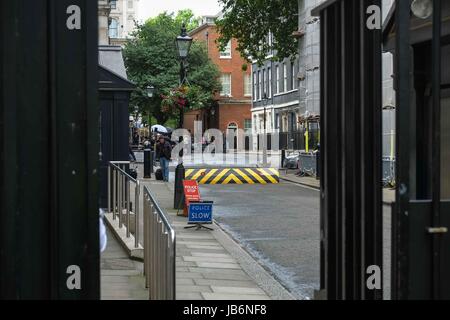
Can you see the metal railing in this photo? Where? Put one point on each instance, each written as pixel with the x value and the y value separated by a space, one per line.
pixel 159 251
pixel 119 198
pixel 307 164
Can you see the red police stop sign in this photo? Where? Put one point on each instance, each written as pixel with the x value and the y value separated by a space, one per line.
pixel 191 193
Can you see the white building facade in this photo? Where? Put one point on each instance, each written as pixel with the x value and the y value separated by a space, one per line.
pixel 122 20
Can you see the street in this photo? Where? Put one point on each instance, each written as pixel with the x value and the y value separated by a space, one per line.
pixel 278 225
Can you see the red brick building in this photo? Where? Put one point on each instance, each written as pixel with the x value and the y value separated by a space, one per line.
pixel 233 107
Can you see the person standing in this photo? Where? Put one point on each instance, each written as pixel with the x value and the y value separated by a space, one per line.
pixel 164 153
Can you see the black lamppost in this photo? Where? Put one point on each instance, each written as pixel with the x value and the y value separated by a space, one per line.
pixel 183 43
pixel 148 155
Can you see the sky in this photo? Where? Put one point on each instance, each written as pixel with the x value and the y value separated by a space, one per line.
pixel 151 8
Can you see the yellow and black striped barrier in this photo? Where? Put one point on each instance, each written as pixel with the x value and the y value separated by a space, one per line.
pixel 234 176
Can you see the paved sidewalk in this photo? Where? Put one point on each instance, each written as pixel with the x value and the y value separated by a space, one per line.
pixel 121 278
pixel 312 182
pixel 210 266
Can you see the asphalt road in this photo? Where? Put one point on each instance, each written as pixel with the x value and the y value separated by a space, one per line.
pixel 278 225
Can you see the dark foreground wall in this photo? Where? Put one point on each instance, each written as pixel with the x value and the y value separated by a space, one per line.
pixel 48 150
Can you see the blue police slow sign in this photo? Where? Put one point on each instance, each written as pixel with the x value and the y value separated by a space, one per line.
pixel 200 213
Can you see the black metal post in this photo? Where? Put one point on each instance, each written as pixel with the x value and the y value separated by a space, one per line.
pixel 182 80
pixel 318 163
pixel 148 163
pixel 436 142
pixel 180 173
pixel 49 214
pixel 351 214
pixel 400 218
pixel 183 43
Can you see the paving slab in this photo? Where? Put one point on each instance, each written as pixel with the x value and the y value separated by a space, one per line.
pixel 209 259
pixel 225 283
pixel 237 290
pixel 121 278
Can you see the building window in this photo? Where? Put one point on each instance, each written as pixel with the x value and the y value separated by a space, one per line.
pixel 248 125
pixel 113 4
pixel 114 29
pixel 278 80
pixel 285 78
pixel 294 76
pixel 255 89
pixel 130 4
pixel 131 24
pixel 277 121
pixel 269 82
pixel 247 85
pixel 226 52
pixel 226 85
pixel 259 86
pixel 264 80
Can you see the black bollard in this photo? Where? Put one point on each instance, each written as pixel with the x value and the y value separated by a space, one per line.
pixel 179 191
pixel 148 164
pixel 180 174
pixel 283 157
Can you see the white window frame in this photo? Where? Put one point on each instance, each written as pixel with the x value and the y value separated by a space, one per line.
pixel 226 53
pixel 264 83
pixel 116 35
pixel 259 85
pixel 293 83
pixel 246 128
pixel 222 78
pixel 285 78
pixel 269 82
pixel 278 79
pixel 255 86
pixel 247 85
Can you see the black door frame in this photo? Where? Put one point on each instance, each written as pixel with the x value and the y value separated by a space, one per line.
pixel 49 151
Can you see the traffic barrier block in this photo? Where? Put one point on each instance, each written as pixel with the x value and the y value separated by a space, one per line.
pixel 234 176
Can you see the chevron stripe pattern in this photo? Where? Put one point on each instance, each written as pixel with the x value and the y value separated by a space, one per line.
pixel 234 176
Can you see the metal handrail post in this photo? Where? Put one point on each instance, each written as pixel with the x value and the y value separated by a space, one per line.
pixel 109 189
pixel 145 208
pixel 152 241
pixel 127 203
pixel 164 273
pixel 119 195
pixel 174 266
pixel 137 195
pixel 114 193
pixel 153 254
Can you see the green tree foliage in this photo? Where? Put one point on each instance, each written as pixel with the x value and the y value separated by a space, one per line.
pixel 250 22
pixel 151 58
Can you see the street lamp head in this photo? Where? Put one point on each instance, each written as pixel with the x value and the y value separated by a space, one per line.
pixel 184 43
pixel 150 90
pixel 265 99
pixel 422 9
